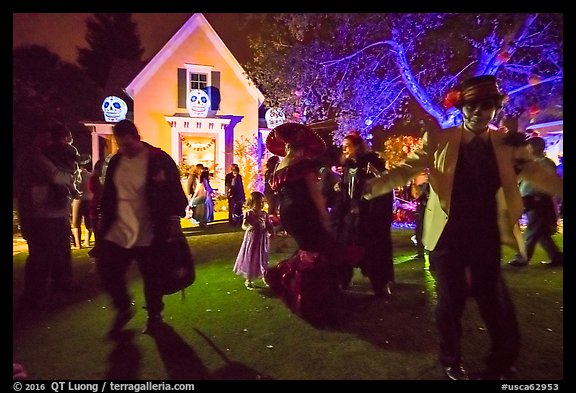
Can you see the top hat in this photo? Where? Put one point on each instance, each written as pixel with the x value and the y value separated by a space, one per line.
pixel 297 135
pixel 479 88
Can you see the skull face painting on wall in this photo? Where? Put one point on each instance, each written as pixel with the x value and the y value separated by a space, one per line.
pixel 198 103
pixel 114 108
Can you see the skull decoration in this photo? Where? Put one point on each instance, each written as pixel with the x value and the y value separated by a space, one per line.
pixel 198 103
pixel 274 117
pixel 114 108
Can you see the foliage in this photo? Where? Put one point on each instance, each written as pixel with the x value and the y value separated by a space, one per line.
pixel 363 70
pixel 220 202
pixel 246 153
pixel 397 148
pixel 109 36
pixel 184 169
pixel 46 89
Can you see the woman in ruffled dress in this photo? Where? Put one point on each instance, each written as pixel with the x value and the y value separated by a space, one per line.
pixel 252 260
pixel 306 282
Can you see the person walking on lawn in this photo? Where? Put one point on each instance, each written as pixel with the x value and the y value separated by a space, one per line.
pixel 141 205
pixel 542 215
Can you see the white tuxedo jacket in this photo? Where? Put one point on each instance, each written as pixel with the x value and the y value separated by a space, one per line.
pixel 440 155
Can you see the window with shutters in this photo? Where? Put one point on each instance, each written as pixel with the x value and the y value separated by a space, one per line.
pixel 197 77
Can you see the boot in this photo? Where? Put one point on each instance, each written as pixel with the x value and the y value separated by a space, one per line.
pixel 77 234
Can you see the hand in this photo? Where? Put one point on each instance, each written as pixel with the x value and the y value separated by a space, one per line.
pixel 372 169
pixel 367 191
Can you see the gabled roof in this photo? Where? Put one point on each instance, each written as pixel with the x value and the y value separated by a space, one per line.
pixel 196 21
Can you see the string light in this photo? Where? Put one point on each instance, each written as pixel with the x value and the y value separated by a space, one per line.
pixel 202 147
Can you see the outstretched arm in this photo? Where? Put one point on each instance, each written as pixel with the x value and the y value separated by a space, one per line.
pixel 397 176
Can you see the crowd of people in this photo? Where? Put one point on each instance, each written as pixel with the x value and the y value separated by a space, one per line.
pixel 469 205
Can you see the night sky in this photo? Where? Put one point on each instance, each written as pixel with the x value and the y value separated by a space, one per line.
pixel 62 33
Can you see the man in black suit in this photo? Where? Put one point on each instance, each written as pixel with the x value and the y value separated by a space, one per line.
pixel 235 193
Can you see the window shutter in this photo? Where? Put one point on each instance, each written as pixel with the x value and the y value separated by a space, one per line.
pixel 215 91
pixel 182 88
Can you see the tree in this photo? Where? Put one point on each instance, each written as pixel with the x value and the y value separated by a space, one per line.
pixel 46 89
pixel 246 151
pixel 363 70
pixel 108 36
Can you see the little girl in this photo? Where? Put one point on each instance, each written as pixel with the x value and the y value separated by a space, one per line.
pixel 252 260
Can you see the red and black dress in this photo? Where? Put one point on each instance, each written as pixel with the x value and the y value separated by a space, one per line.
pixel 306 281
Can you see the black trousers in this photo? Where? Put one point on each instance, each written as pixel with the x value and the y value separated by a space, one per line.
pixel 112 264
pixel 474 271
pixel 235 213
pixel 541 226
pixel 49 259
pixel 418 231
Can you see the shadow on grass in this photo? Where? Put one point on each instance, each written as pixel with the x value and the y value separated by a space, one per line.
pixel 232 370
pixel 23 315
pixel 402 323
pixel 180 360
pixel 220 226
pixel 124 359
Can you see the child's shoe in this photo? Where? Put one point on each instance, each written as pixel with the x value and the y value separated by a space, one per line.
pixel 249 284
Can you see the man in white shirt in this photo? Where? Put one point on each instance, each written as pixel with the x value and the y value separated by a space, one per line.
pixel 142 202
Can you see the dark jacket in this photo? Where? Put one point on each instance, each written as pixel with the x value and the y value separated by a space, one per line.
pixel 358 219
pixel 164 193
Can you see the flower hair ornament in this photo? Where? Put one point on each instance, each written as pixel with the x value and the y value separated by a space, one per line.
pixel 354 136
pixel 452 99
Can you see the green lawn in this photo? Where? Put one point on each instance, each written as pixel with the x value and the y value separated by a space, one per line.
pixel 223 331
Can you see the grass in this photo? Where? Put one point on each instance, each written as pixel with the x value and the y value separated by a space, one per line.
pixel 222 331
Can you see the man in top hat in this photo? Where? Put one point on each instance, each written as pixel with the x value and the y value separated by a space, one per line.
pixel 473 207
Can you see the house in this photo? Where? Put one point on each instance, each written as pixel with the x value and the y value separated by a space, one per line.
pixel 553 134
pixel 546 123
pixel 193 100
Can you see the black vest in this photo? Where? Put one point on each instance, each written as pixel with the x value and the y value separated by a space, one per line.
pixel 473 211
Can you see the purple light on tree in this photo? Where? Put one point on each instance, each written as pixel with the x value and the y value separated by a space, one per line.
pixel 354 67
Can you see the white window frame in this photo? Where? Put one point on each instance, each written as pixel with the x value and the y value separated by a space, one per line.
pixel 197 69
